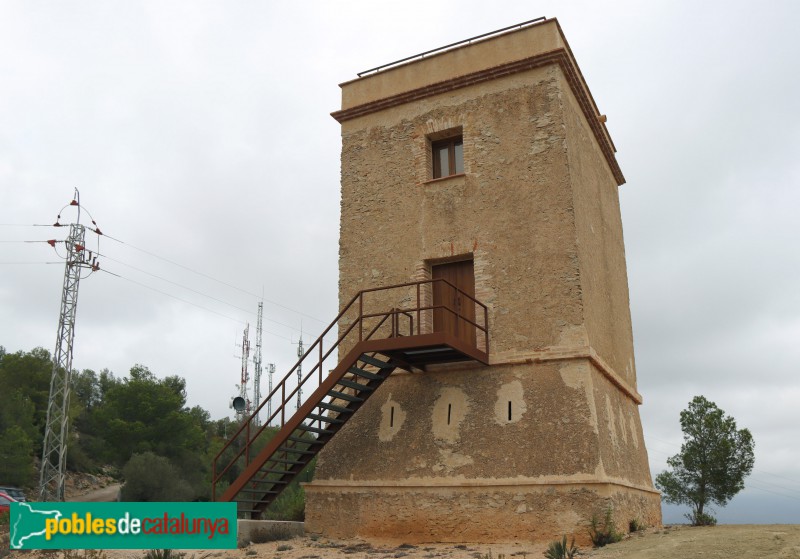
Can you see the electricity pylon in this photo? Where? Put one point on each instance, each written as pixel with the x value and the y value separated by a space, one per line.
pixel 54 449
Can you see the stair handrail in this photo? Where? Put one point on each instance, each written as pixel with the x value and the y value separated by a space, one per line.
pixel 318 346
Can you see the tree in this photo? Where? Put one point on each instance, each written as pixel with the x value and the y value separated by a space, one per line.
pixel 16 457
pixel 29 375
pixel 714 459
pixel 149 477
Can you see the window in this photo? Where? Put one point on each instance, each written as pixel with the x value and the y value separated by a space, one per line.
pixel 448 157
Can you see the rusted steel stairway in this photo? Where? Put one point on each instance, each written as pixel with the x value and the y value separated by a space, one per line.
pixel 377 336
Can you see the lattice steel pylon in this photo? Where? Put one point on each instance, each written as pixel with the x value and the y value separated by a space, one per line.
pixel 54 448
pixel 257 363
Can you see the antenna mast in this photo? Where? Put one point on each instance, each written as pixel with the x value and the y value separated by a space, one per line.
pixel 257 362
pixel 245 411
pixel 300 370
pixel 54 447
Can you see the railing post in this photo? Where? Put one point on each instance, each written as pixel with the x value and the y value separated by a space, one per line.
pixel 486 327
pixel 320 361
pixel 419 304
pixel 283 403
pixel 360 315
pixel 457 305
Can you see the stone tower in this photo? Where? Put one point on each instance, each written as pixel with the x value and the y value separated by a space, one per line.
pixel 489 164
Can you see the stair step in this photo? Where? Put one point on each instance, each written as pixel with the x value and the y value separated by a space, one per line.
pixel 342 396
pixel 282 461
pixel 316 430
pixel 325 418
pixel 365 374
pixel 334 407
pixel 279 472
pixel 273 481
pixel 259 491
pixel 376 362
pixel 296 450
pixel 303 440
pixel 355 385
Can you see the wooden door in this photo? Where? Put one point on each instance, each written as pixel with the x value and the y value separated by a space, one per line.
pixel 461 308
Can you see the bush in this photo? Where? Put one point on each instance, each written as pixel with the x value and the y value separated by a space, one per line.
pixel 560 550
pixel 16 449
pixel 636 525
pixel 290 505
pixel 149 477
pixel 701 519
pixel 605 534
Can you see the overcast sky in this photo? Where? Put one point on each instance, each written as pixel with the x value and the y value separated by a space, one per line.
pixel 199 135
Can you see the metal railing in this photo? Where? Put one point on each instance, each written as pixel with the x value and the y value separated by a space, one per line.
pixel 357 321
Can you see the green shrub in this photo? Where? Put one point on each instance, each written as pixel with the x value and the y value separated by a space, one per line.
pixel 290 505
pixel 701 519
pixel 635 525
pixel 149 477
pixel 560 549
pixel 605 534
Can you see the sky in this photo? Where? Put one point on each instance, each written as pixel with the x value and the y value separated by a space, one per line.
pixel 198 134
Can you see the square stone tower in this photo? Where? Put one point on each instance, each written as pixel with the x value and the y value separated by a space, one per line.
pixel 488 164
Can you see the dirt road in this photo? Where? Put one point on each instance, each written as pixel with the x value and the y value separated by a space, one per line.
pixel 103 495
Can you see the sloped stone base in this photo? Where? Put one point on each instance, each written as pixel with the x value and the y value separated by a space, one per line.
pixel 475 513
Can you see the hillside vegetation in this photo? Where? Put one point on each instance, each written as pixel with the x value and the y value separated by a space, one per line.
pixel 137 427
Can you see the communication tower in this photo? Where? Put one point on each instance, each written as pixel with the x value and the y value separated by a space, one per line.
pixel 257 362
pixel 245 409
pixel 299 372
pixel 79 261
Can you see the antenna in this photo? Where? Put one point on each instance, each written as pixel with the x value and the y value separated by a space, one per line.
pixel 300 368
pixel 54 447
pixel 257 363
pixel 244 410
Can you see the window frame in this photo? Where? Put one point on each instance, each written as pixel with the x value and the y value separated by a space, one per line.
pixel 450 144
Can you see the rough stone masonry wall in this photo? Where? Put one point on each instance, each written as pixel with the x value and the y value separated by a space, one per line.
pixel 601 249
pixel 573 444
pixel 473 514
pixel 511 211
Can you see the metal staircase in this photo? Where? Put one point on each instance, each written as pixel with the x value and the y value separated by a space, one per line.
pixel 379 331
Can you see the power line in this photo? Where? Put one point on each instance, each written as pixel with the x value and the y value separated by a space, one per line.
pixel 218 300
pixel 151 288
pixel 214 279
pixel 18 263
pixel 187 268
pixel 754 483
